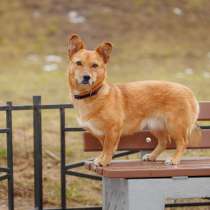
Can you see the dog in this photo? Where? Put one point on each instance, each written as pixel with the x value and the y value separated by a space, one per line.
pixel 108 111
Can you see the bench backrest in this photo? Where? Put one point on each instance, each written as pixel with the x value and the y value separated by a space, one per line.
pixel 138 141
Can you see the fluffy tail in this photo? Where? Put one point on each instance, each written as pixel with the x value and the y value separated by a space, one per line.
pixel 195 136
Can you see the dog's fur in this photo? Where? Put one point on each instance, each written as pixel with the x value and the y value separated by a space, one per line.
pixel 168 109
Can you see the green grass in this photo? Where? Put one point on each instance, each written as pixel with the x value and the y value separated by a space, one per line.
pixel 3 153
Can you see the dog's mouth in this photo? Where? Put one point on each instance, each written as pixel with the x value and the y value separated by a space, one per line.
pixel 85 82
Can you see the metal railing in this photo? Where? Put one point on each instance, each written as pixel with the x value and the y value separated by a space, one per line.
pixel 6 173
pixel 66 169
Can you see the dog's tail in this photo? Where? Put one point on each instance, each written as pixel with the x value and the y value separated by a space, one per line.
pixel 195 136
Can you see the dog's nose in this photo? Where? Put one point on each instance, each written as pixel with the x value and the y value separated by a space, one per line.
pixel 86 78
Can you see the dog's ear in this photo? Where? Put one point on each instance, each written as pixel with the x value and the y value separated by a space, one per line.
pixel 104 50
pixel 75 44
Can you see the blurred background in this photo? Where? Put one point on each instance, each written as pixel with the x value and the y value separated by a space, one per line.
pixel 162 40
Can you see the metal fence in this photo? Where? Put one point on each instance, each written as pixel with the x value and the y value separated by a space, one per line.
pixel 66 169
pixel 6 173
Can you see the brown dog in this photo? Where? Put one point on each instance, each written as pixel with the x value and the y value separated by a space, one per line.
pixel 167 109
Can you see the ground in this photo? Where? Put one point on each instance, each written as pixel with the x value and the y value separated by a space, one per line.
pixel 164 40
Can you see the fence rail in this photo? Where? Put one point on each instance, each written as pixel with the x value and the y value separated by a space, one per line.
pixel 66 169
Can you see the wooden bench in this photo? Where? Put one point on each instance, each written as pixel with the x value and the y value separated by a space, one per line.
pixel 139 185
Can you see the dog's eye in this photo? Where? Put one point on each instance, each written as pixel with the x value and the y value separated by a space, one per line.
pixel 79 63
pixel 95 65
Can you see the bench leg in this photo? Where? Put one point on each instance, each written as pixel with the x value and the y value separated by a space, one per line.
pixel 140 198
pixel 150 194
pixel 117 196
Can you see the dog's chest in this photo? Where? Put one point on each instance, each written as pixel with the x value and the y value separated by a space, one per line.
pixel 85 112
pixel 91 126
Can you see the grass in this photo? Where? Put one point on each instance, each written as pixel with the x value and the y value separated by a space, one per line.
pixel 3 153
pixel 150 42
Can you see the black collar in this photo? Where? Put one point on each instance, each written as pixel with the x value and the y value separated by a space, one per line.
pixel 88 94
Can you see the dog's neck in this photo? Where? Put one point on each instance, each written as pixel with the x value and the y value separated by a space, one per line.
pixel 89 94
pixel 90 105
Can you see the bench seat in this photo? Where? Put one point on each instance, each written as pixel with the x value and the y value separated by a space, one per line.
pixel 144 169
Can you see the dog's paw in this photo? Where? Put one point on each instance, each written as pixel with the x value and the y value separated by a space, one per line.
pixel 170 161
pixel 148 157
pixel 101 161
pixel 105 161
pixel 97 161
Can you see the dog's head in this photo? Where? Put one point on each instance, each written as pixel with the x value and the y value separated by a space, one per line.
pixel 87 68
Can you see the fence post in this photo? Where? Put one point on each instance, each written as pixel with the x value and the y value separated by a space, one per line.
pixel 38 192
pixel 10 156
pixel 63 158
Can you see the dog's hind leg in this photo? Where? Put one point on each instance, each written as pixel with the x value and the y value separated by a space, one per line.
pixel 181 144
pixel 161 146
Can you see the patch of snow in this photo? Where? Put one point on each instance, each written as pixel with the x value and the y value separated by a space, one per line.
pixel 50 67
pixel 188 71
pixel 206 74
pixel 53 58
pixel 177 11
pixel 74 17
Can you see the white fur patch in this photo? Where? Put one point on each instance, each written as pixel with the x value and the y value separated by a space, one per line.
pixel 152 123
pixel 146 157
pixel 90 125
pixel 168 162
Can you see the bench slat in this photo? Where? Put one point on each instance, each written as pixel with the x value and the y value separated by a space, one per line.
pixel 137 142
pixel 142 169
pixel 204 110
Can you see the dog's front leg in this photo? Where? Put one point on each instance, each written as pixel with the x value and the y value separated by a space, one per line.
pixel 99 158
pixel 111 142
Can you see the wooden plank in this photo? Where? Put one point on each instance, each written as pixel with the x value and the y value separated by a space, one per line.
pixel 138 141
pixel 204 110
pixel 142 169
